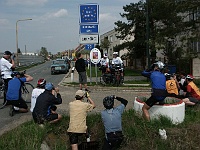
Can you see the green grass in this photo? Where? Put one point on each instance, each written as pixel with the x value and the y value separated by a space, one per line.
pixel 138 133
pixel 127 72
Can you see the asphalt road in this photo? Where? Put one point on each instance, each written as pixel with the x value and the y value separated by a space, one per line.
pixel 67 93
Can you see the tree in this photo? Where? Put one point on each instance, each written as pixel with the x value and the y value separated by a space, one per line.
pixel 135 26
pixel 105 44
pixel 167 26
pixel 44 52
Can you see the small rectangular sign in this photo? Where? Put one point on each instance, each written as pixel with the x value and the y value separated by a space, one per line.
pixel 88 39
pixel 89 46
pixel 89 29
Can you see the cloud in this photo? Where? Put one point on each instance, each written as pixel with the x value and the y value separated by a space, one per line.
pixel 3 22
pixel 26 2
pixel 107 17
pixel 58 14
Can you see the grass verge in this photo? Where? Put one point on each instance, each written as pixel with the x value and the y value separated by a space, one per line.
pixel 139 134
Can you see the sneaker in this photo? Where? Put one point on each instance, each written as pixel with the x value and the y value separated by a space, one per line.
pixel 11 112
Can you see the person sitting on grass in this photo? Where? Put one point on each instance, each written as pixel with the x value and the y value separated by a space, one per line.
pixel 112 120
pixel 44 110
pixel 192 93
pixel 78 112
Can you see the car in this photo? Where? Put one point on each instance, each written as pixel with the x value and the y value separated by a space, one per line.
pixel 60 66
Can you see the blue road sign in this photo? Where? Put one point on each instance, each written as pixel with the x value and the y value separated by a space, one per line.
pixel 89 13
pixel 89 28
pixel 89 46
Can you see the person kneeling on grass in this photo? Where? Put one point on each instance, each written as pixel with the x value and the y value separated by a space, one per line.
pixel 14 94
pixel 44 109
pixel 112 120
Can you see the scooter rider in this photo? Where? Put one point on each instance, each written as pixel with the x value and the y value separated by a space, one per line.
pixel 117 61
pixel 104 63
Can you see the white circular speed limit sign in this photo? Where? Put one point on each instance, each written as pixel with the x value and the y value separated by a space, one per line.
pixel 95 55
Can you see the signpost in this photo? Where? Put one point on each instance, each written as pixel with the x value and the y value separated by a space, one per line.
pixel 95 57
pixel 89 31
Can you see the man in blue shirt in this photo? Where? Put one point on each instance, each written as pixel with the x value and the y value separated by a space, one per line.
pixel 158 83
pixel 13 94
pixel 113 122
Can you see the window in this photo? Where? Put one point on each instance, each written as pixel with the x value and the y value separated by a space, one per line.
pixel 111 38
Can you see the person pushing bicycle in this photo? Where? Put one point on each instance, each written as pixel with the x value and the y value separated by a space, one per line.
pixel 13 95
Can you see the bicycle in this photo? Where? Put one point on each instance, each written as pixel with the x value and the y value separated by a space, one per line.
pixel 117 70
pixel 106 77
pixel 26 90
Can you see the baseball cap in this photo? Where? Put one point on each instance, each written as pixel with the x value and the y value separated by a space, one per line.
pixel 49 86
pixel 80 93
pixel 7 53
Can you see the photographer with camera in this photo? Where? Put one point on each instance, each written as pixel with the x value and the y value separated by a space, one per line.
pixel 13 95
pixel 45 109
pixel 7 65
pixel 78 113
pixel 112 120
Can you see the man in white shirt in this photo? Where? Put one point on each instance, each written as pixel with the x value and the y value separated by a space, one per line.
pixel 104 63
pixel 7 65
pixel 117 61
pixel 37 91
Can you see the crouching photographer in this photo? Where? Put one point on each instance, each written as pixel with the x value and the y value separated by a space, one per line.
pixel 112 120
pixel 13 95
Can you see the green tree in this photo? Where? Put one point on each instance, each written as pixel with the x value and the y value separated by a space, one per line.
pixel 135 26
pixel 167 26
pixel 44 52
pixel 105 44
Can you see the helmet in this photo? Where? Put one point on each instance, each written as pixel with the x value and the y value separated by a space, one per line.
pixel 7 53
pixel 108 102
pixel 168 76
pixel 41 82
pixel 115 53
pixel 14 73
pixel 189 76
pixel 159 64
pixel 105 55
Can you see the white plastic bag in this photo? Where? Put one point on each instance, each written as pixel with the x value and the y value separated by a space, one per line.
pixel 163 134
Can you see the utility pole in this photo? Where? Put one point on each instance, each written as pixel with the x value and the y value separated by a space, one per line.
pixel 147 34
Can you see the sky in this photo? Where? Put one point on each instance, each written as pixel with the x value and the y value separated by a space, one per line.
pixel 54 24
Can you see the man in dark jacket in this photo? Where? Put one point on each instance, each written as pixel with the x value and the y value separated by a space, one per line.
pixel 80 67
pixel 44 109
